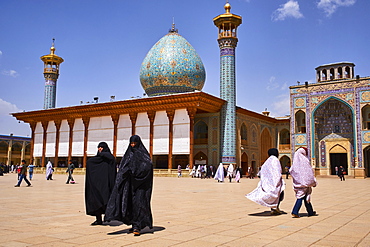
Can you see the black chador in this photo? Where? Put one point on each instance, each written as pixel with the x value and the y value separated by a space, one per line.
pixel 130 199
pixel 100 176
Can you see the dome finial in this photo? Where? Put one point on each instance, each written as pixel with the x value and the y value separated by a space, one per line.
pixel 173 29
pixel 52 48
pixel 227 7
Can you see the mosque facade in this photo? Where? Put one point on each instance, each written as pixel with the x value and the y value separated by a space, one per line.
pixel 178 123
pixel 331 117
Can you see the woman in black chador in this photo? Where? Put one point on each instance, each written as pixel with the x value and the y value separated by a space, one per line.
pixel 130 199
pixel 100 176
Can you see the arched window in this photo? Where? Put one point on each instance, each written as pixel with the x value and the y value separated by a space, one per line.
pixel 300 119
pixel 340 73
pixel 243 134
pixel 347 72
pixel 331 74
pixel 201 133
pixel 284 137
pixel 324 75
pixel 3 147
pixel 365 117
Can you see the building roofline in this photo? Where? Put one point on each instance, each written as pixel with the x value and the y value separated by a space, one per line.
pixel 200 101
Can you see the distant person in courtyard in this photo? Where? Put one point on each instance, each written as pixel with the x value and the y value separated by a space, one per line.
pixel 179 171
pixel 132 193
pixel 287 172
pixel 23 175
pixel 303 181
pixel 49 171
pixel 30 170
pixel 71 167
pixel 341 173
pixel 237 174
pixel 230 172
pixel 250 172
pixel 220 174
pixel 193 172
pixel 270 189
pixel 99 182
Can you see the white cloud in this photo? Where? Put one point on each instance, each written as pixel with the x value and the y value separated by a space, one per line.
pixel 289 9
pixel 11 73
pixel 272 85
pixel 1 53
pixel 6 108
pixel 330 6
pixel 281 106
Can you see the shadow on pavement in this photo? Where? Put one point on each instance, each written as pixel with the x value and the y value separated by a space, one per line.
pixel 146 230
pixel 265 213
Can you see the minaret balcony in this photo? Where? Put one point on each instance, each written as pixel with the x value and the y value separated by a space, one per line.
pixel 227 34
pixel 50 70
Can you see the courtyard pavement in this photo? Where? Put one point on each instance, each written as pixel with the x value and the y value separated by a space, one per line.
pixel 186 212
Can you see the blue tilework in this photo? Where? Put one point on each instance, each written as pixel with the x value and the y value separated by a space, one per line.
pixel 172 66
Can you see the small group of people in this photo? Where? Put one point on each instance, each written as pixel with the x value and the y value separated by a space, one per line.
pixel 124 195
pixel 230 173
pixel 201 171
pixel 270 189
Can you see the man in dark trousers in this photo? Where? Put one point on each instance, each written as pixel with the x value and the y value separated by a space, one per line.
pixel 70 169
pixel 23 175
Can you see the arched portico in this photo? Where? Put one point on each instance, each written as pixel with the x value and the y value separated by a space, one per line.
pixel 333 136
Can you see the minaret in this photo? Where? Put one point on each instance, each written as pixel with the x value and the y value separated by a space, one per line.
pixel 227 24
pixel 51 73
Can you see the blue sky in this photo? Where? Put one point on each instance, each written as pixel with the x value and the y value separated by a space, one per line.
pixel 103 43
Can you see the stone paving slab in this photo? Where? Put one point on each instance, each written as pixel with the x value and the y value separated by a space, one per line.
pixel 186 212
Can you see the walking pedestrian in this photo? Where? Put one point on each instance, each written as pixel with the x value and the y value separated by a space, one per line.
pixel 30 170
pixel 219 175
pixel 303 181
pixel 99 182
pixel 179 171
pixel 132 192
pixel 49 171
pixel 270 189
pixel 23 175
pixel 341 173
pixel 71 167
pixel 230 172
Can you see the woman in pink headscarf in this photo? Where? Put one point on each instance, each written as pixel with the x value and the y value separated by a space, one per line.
pixel 303 181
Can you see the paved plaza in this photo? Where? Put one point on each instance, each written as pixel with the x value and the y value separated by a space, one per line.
pixel 187 212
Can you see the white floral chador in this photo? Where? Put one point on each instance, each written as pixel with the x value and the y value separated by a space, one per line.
pixel 271 184
pixel 302 174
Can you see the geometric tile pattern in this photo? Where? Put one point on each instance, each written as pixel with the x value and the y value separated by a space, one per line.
pixel 228 113
pixel 172 66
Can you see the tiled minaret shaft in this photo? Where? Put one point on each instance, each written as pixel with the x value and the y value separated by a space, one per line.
pixel 227 24
pixel 51 74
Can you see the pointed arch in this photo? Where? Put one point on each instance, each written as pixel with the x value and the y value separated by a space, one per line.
pixel 243 134
pixel 315 120
pixel 265 143
pixel 200 157
pixel 365 114
pixel 201 133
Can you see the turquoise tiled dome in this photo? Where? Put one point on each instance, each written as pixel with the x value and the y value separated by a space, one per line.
pixel 172 66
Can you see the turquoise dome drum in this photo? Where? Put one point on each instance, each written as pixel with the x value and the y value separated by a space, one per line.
pixel 172 66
